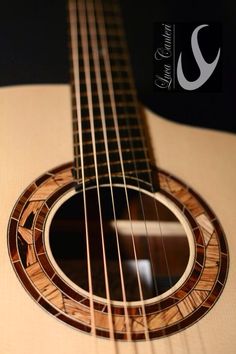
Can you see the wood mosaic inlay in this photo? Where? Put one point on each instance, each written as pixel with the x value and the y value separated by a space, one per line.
pixel 171 314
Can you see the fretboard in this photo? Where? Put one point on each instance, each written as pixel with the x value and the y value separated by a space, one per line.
pixel 107 130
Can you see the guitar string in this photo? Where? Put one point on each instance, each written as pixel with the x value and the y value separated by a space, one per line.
pixel 86 58
pixel 80 140
pixel 137 177
pixel 94 36
pixel 128 67
pixel 157 214
pixel 122 43
pixel 75 61
pixel 159 227
pixel 151 181
pixel 113 106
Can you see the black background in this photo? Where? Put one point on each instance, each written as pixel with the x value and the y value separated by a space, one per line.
pixel 33 50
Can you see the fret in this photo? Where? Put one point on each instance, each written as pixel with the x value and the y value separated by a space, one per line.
pixel 119 66
pixel 121 85
pixel 126 124
pixel 109 126
pixel 117 49
pixel 141 174
pixel 101 157
pixel 116 74
pixel 126 145
pixel 111 37
pixel 109 130
pixel 121 92
pixel 125 99
pixel 117 56
pixel 126 105
pixel 117 79
pixel 116 166
pixel 109 23
pixel 119 98
pixel 111 133
pixel 123 116
pixel 112 32
pixel 127 112
pixel 116 65
pixel 136 142
pixel 125 152
pixel 112 19
pixel 130 172
pixel 117 84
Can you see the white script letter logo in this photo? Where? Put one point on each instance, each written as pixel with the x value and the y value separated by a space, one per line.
pixel 206 69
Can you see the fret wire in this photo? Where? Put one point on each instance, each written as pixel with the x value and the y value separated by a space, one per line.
pixel 103 74
pixel 121 80
pixel 114 63
pixel 102 159
pixel 124 137
pixel 141 171
pixel 109 22
pixel 117 85
pixel 111 151
pixel 126 85
pixel 122 115
pixel 109 129
pixel 130 174
pixel 114 49
pixel 129 116
pixel 113 163
pixel 106 92
pixel 119 104
pixel 113 41
pixel 115 67
pixel 109 122
pixel 111 38
pixel 119 95
pixel 126 145
pixel 116 173
pixel 111 141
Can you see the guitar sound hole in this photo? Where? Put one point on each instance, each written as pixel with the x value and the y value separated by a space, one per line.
pixel 146 236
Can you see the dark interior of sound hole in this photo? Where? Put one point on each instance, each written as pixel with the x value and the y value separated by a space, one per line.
pixel 154 234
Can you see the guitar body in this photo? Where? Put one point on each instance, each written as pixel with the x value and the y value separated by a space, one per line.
pixel 35 137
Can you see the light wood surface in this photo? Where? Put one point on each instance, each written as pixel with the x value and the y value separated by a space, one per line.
pixel 35 136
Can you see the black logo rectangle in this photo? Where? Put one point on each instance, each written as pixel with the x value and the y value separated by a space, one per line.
pixel 187 57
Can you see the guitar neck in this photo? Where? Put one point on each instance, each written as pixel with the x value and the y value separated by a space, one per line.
pixel 107 130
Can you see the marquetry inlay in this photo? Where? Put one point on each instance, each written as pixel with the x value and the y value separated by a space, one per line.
pixel 165 316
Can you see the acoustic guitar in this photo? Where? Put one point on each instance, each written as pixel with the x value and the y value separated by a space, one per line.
pixel 101 251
